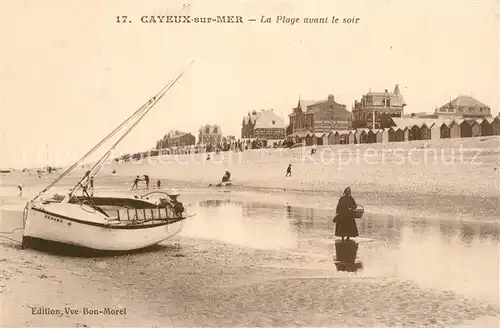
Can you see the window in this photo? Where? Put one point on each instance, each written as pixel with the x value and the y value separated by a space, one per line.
pixel 215 130
pixel 274 122
pixel 207 129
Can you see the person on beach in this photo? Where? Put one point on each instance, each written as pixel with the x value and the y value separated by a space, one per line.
pixel 289 171
pixel 91 188
pixel 136 182
pixel 345 225
pixel 158 184
pixel 146 178
pixel 174 203
pixel 20 187
pixel 226 177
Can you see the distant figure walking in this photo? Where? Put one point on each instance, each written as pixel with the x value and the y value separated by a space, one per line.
pixel 20 187
pixel 136 182
pixel 146 178
pixel 158 184
pixel 345 225
pixel 289 171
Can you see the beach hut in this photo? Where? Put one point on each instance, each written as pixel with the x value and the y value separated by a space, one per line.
pixel 361 135
pixel 392 135
pixel 400 135
pixel 465 129
pixel 454 130
pixel 444 130
pixel 495 126
pixel 334 138
pixel 435 132
pixel 476 128
pixel 414 133
pixel 379 135
pixel 385 135
pixel 337 136
pixel 319 139
pixel 371 136
pixel 309 139
pixel 325 139
pixel 406 134
pixel 425 132
pixel 331 138
pixel 357 136
pixel 350 137
pixel 486 128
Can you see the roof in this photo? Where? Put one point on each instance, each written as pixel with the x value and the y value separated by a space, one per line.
pixel 302 134
pixel 174 134
pixel 269 120
pixel 304 103
pixel 411 122
pixel 361 130
pixel 464 101
pixel 377 98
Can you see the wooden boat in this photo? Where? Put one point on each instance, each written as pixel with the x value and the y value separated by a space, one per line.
pixel 104 223
pixel 115 224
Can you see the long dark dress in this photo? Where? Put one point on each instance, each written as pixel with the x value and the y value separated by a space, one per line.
pixel 345 226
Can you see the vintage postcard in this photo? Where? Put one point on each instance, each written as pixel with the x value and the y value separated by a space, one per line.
pixel 249 163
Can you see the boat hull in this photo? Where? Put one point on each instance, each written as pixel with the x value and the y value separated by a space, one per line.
pixel 90 230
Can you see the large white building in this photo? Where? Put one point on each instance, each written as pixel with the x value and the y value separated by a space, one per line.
pixel 265 124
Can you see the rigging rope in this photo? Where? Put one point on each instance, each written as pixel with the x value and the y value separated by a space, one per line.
pixel 138 113
pixel 146 110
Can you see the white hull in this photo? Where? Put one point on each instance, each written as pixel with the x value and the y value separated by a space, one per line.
pixel 81 225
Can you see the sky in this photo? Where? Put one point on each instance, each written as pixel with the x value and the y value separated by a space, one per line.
pixel 69 73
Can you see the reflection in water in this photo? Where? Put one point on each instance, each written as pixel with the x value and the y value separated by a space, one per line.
pixel 214 202
pixel 345 259
pixel 242 224
pixel 446 255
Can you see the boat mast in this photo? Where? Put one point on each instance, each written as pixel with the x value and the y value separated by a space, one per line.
pixel 102 160
pixel 138 113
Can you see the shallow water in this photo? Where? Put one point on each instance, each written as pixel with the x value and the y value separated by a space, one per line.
pixel 297 244
pixel 440 254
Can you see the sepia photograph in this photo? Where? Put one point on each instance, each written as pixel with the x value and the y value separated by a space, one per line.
pixel 246 163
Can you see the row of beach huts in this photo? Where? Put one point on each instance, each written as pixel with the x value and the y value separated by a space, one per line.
pixel 404 129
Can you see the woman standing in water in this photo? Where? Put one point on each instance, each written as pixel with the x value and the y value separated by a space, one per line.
pixel 345 225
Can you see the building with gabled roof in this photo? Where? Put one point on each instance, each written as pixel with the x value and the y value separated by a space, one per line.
pixel 176 138
pixel 209 135
pixel 465 107
pixel 376 108
pixel 265 124
pixel 319 116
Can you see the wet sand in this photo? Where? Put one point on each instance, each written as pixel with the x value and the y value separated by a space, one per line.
pixel 426 256
pixel 241 263
pixel 455 178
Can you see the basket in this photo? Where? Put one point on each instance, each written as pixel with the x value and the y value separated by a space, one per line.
pixel 358 212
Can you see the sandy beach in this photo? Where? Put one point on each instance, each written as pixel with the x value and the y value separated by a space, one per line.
pixel 428 245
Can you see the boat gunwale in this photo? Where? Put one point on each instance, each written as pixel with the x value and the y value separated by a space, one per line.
pixel 111 226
